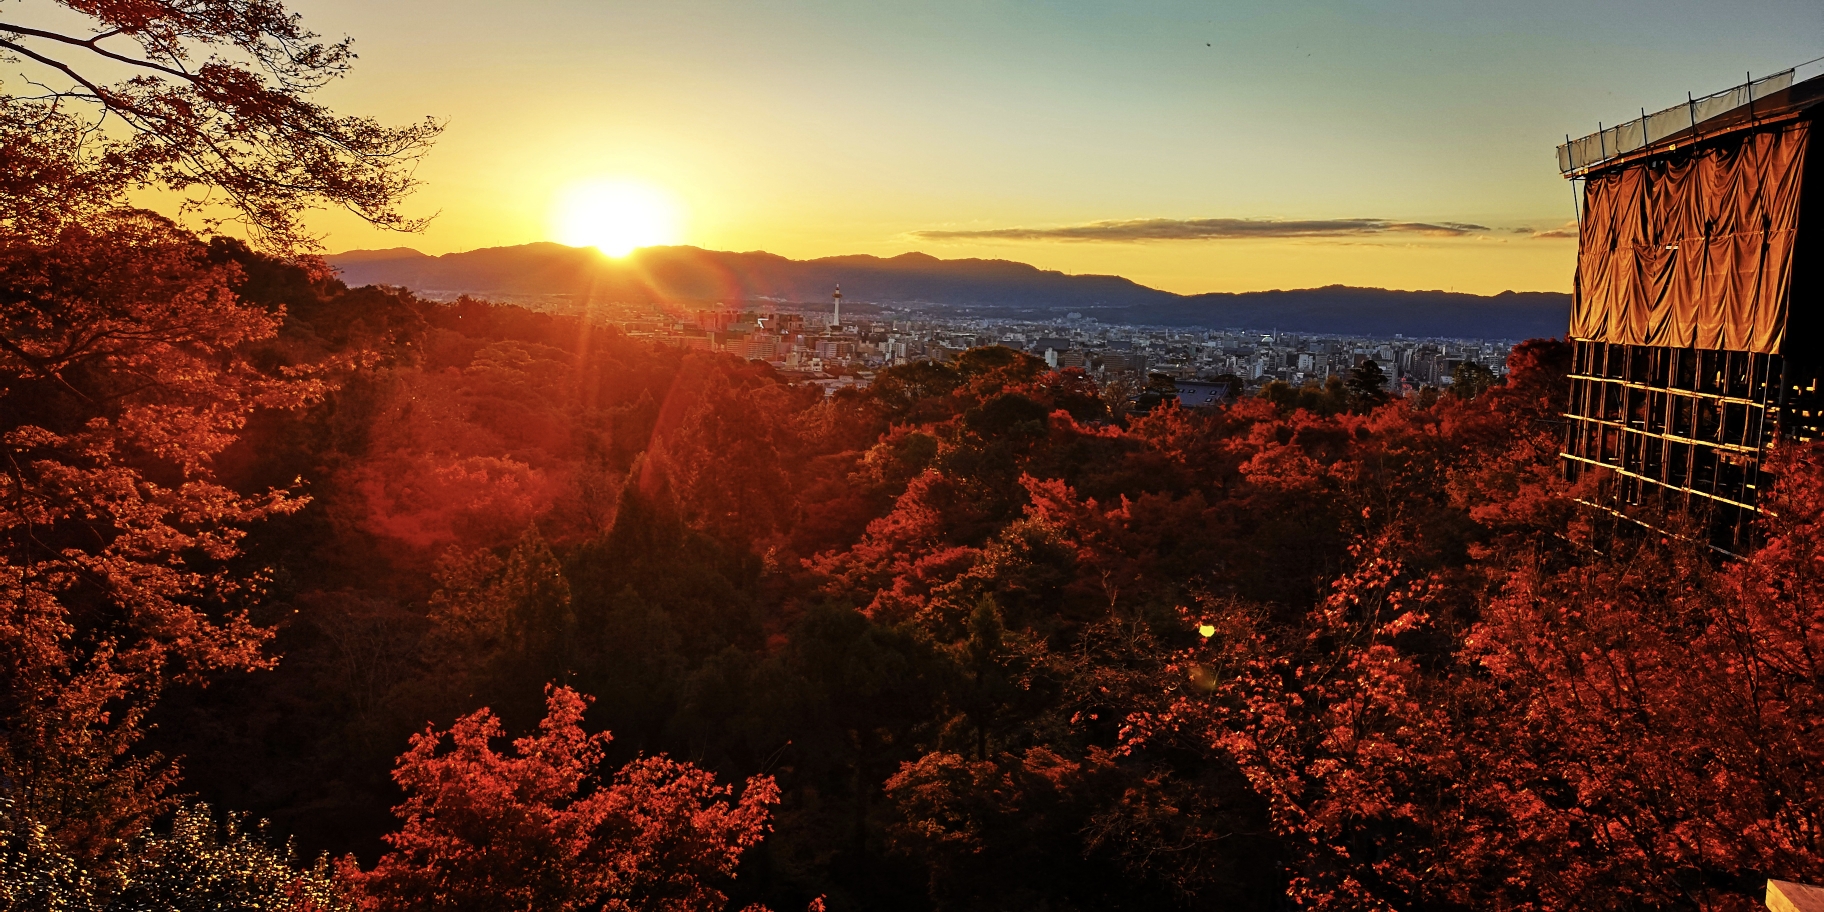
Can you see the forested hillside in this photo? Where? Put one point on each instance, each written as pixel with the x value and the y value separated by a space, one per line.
pixel 317 597
pixel 931 285
pixel 965 640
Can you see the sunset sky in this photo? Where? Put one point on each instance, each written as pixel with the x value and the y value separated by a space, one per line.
pixel 814 129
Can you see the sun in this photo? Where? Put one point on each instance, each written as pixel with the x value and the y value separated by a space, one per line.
pixel 615 216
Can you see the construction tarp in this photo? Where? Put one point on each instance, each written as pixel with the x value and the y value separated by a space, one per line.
pixel 1693 249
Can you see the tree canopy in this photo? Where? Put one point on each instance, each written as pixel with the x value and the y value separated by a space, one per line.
pixel 206 97
pixel 386 572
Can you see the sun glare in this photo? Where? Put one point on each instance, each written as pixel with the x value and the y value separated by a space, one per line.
pixel 616 216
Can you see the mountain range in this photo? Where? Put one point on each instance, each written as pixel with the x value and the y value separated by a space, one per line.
pixel 937 286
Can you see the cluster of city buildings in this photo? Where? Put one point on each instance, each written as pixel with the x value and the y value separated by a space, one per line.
pixel 836 350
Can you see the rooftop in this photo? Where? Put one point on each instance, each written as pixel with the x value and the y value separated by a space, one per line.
pixel 1781 96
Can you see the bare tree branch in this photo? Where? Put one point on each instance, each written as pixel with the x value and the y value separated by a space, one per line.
pixel 91 45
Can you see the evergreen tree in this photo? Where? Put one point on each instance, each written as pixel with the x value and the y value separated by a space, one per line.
pixel 1367 385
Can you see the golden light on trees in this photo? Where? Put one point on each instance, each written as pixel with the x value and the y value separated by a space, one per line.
pixel 616 216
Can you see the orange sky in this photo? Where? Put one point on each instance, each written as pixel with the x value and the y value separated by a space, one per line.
pixel 814 129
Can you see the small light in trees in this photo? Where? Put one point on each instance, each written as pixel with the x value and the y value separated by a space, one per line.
pixel 1207 631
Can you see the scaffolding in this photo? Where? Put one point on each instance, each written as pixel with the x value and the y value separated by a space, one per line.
pixel 1696 328
pixel 1684 429
pixel 1607 144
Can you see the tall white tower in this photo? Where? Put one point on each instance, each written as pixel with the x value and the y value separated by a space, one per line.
pixel 836 318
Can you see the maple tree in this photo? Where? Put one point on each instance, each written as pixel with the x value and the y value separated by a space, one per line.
pixel 1336 733
pixel 979 637
pixel 985 641
pixel 218 100
pixel 126 366
pixel 1651 743
pixel 537 829
pixel 129 365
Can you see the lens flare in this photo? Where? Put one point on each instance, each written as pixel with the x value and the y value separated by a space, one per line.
pixel 616 217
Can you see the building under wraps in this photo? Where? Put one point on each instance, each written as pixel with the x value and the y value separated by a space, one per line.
pixel 1698 315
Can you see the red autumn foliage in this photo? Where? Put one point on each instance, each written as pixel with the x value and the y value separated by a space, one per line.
pixel 1338 733
pixel 958 617
pixel 214 96
pixel 537 828
pixel 128 367
pixel 1654 716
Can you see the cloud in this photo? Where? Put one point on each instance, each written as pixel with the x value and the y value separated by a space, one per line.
pixel 1566 230
pixel 1215 229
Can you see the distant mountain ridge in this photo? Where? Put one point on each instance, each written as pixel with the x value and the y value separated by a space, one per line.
pixel 981 287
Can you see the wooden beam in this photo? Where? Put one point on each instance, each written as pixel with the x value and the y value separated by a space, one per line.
pixel 1783 896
